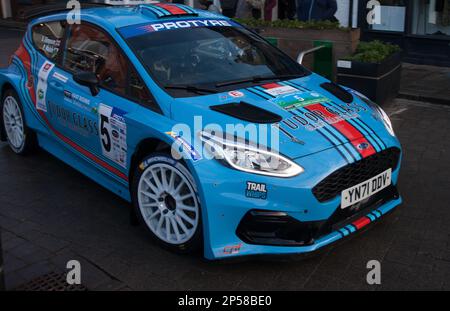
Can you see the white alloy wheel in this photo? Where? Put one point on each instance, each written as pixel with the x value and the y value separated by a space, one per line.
pixel 168 203
pixel 13 121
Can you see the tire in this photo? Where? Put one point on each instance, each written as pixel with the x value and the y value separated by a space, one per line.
pixel 21 139
pixel 162 203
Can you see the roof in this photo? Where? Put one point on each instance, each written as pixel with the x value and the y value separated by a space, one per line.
pixel 121 16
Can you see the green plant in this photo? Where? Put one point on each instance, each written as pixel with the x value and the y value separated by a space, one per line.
pixel 373 51
pixel 285 23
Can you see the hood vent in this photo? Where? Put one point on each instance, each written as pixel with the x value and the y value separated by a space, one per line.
pixel 247 112
pixel 338 91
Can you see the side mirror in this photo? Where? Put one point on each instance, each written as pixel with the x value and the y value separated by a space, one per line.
pixel 302 54
pixel 88 79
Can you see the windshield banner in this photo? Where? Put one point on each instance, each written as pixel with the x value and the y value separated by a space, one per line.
pixel 137 30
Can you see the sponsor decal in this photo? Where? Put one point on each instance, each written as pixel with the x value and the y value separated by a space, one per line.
pixel 72 120
pixel 41 89
pixel 60 77
pixel 131 31
pixel 313 120
pixel 144 164
pixel 79 101
pixel 40 93
pixel 298 100
pixel 276 89
pixel 186 147
pixel 113 134
pixel 232 249
pixel 256 190
pixel 363 146
pixel 236 94
pixel 51 46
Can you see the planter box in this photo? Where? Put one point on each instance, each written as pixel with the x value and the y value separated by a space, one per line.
pixel 292 41
pixel 379 82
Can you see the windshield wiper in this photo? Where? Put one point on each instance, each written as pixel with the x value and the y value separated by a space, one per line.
pixel 257 79
pixel 189 88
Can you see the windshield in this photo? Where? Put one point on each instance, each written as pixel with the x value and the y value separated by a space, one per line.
pixel 208 58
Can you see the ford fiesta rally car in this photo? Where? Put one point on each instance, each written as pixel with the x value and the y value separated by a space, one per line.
pixel 105 96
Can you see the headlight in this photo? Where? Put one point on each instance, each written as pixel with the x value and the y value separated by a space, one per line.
pixel 386 120
pixel 247 158
pixel 383 115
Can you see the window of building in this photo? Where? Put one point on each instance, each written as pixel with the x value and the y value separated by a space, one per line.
pixel 392 16
pixel 431 17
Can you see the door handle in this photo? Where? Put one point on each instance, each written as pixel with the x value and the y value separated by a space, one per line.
pixel 57 86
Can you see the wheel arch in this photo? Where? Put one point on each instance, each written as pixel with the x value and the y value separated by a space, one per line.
pixel 152 145
pixel 144 148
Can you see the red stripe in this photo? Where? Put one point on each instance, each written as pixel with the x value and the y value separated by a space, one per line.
pixel 362 222
pixel 173 9
pixel 349 131
pixel 271 85
pixel 24 56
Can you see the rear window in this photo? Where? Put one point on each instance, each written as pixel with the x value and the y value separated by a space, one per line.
pixel 47 38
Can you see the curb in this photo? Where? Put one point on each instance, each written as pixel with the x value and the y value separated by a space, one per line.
pixel 421 98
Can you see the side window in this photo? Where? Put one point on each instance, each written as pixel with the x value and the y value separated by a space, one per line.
pixel 139 92
pixel 47 38
pixel 90 49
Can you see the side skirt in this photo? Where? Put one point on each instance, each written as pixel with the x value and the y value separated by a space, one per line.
pixel 83 166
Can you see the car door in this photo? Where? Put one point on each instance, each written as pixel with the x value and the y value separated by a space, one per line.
pixel 95 122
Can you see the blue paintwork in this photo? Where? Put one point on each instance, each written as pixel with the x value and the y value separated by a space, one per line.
pixel 221 189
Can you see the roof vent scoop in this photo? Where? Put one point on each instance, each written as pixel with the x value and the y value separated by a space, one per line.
pixel 247 112
pixel 338 91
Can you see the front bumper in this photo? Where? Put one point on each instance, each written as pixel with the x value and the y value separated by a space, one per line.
pixel 310 223
pixel 279 229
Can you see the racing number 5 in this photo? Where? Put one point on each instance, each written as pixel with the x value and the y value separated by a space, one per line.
pixel 105 133
pixel 105 129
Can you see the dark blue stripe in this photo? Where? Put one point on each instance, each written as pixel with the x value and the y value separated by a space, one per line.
pixel 259 88
pixel 327 135
pixel 299 85
pixel 366 133
pixel 330 128
pixel 368 128
pixel 259 93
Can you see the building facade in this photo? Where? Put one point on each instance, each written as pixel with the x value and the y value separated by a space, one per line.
pixel 420 27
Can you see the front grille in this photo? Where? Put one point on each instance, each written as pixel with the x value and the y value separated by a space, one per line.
pixel 356 173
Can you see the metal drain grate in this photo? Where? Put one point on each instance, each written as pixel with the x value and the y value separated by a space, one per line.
pixel 50 282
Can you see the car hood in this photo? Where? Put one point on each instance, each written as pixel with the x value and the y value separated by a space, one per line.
pixel 309 118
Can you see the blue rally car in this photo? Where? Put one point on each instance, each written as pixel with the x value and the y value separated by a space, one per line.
pixel 155 102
